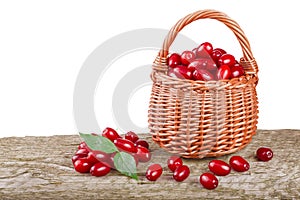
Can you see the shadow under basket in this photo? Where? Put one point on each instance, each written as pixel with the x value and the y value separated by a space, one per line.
pixel 197 119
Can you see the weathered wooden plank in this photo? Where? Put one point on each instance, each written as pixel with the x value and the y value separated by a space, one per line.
pixel 41 168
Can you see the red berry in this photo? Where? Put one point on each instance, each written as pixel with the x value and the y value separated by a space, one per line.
pixel 239 164
pixel 216 54
pixel 209 181
pixel 219 167
pixel 131 136
pixel 224 72
pixel 205 74
pixel 143 143
pixel 91 158
pixel 182 72
pixel 100 169
pixel 76 157
pixel 187 57
pixel 143 154
pixel 174 162
pixel 194 65
pixel 82 145
pixel 174 60
pixel 82 152
pixel 181 173
pixel 110 134
pixel 237 70
pixel 197 76
pixel 221 50
pixel 125 145
pixel 82 165
pixel 204 50
pixel 264 154
pixel 153 172
pixel 226 59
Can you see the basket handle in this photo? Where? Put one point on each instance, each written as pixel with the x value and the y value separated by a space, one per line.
pixel 212 14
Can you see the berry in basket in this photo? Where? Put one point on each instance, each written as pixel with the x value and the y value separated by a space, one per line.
pixel 204 63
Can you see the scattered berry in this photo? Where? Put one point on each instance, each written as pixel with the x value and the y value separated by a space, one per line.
pixel 181 173
pixel 219 167
pixel 239 164
pixel 264 154
pixel 209 181
pixel 153 172
pixel 174 162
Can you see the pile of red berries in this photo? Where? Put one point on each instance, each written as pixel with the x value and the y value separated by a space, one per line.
pixel 99 163
pixel 204 63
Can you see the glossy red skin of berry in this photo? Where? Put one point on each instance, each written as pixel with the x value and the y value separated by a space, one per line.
pixel 174 162
pixel 187 57
pixel 182 72
pixel 76 157
pixel 194 65
pixel 82 165
pixel 91 158
pixel 216 54
pixel 143 143
pixel 153 172
pixel 204 50
pixel 206 75
pixel 174 60
pixel 100 169
pixel 219 167
pixel 125 145
pixel 226 59
pixel 181 173
pixel 208 181
pixel 239 164
pixel 132 136
pixel 82 152
pixel 264 154
pixel 224 72
pixel 237 70
pixel 143 154
pixel 110 134
pixel 197 76
pixel 220 50
pixel 82 145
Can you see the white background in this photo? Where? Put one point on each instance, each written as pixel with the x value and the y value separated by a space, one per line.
pixel 43 45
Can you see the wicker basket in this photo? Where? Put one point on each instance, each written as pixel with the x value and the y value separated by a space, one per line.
pixel 197 119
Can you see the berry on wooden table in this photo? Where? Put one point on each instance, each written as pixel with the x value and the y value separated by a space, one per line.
pixel 153 172
pixel 209 181
pixel 264 154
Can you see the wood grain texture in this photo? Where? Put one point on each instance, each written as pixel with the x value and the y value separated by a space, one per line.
pixel 41 168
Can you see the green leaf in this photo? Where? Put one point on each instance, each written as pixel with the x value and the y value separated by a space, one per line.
pixel 125 164
pixel 99 143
